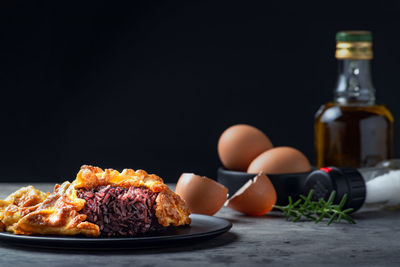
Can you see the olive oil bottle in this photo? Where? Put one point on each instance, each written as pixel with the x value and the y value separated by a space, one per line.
pixel 353 131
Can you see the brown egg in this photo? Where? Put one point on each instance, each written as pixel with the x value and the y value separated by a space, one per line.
pixel 240 144
pixel 280 160
pixel 201 194
pixel 254 198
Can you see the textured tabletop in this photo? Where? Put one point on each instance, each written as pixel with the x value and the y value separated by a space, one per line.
pixel 267 240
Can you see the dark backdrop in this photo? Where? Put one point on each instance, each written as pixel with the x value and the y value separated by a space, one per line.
pixel 152 85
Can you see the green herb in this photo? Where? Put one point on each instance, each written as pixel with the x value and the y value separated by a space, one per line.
pixel 316 210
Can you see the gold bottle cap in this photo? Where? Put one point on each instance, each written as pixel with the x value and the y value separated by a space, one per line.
pixel 354 45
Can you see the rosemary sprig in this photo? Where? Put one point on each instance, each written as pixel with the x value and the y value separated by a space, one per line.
pixel 316 210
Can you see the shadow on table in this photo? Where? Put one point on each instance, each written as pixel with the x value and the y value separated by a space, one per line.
pixel 173 247
pixel 244 219
pixel 377 214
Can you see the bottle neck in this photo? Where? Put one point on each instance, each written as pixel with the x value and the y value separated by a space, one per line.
pixel 354 85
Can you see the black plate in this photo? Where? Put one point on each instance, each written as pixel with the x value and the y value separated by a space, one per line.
pixel 202 227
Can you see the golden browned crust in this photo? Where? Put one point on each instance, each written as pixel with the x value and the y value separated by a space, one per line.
pixel 19 204
pixel 90 177
pixel 30 211
pixel 170 209
pixel 58 214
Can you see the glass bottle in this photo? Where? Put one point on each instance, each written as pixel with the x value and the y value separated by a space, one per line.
pixel 353 131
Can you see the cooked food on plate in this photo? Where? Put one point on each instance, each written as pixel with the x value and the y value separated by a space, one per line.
pixel 97 203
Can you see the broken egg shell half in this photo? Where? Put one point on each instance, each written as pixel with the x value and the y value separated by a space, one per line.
pixel 255 198
pixel 201 194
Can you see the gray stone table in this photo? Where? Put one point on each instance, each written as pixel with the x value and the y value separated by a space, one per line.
pixel 267 240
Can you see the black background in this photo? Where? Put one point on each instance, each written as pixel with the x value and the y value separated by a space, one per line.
pixel 152 85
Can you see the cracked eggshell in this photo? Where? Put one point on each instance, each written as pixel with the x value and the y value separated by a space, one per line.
pixel 254 198
pixel 201 194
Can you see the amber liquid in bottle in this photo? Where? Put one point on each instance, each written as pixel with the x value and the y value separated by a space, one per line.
pixel 353 131
pixel 353 136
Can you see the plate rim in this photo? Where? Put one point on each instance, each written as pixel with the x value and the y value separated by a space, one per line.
pixel 9 238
